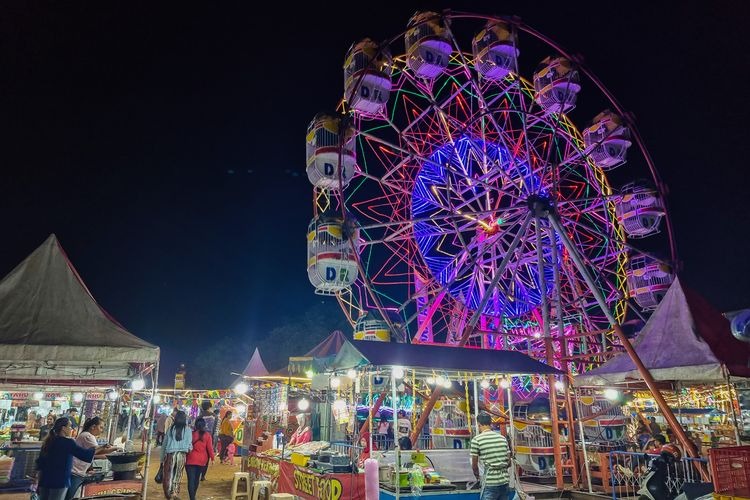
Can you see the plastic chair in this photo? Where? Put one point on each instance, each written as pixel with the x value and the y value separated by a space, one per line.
pixel 259 486
pixel 245 491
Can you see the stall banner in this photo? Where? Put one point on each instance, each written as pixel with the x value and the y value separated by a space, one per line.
pixel 286 477
pixel 307 484
pixel 26 396
pixel 107 488
pixel 264 468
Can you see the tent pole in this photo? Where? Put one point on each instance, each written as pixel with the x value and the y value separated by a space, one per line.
pixel 154 386
pixel 396 447
pixel 732 399
pixel 688 445
pixel 476 408
pixel 369 415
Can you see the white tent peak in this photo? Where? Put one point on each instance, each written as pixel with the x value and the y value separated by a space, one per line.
pixel 48 313
pixel 255 367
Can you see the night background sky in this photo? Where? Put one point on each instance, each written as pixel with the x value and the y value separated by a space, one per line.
pixel 164 144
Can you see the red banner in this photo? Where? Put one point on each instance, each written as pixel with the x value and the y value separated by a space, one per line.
pixel 304 483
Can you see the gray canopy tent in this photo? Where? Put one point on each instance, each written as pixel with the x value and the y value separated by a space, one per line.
pixel 53 332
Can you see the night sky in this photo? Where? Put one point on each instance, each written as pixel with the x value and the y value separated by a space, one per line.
pixel 165 146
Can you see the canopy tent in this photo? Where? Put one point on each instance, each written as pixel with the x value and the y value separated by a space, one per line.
pixel 255 367
pixel 319 357
pixel 685 339
pixel 438 358
pixel 53 331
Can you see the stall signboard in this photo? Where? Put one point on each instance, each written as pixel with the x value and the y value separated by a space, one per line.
pixel 304 483
pixel 107 488
pixel 26 396
pixel 264 468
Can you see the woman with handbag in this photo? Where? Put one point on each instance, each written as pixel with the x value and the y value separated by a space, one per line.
pixel 177 443
pixel 199 456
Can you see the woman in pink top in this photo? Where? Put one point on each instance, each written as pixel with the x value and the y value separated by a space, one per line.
pixel 197 459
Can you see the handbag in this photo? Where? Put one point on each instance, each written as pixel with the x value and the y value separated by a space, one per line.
pixel 160 474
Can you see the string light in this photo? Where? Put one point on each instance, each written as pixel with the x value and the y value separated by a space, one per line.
pixel 484 384
pixel 303 404
pixel 241 388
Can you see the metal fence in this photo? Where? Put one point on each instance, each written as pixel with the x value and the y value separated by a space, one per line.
pixel 627 470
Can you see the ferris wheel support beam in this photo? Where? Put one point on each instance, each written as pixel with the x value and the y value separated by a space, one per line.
pixel 688 445
pixel 495 280
pixel 549 354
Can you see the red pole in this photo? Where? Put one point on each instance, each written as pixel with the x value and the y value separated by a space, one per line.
pixel 425 414
pixel 375 409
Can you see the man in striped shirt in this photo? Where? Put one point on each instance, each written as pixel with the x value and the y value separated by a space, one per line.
pixel 492 449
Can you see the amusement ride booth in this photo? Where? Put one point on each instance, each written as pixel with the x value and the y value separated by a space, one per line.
pixel 61 354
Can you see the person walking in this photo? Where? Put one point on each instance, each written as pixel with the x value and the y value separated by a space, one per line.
pixel 55 460
pixel 199 457
pixel 226 435
pixel 87 439
pixel 210 419
pixel 177 444
pixel 160 428
pixel 491 448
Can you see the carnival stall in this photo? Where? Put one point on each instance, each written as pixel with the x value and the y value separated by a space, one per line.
pixel 688 346
pixel 427 395
pixel 62 354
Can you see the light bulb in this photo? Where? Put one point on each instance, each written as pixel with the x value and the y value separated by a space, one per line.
pixel 303 404
pixel 38 396
pixel 241 388
pixel 335 383
pixel 77 397
pixel 309 374
pixel 484 384
pixel 339 405
pixel 398 372
pixel 156 399
pixel 611 394
pixel 430 380
pixel 504 383
pixel 440 380
pixel 559 385
pixel 351 373
pixel 447 383
pixel 137 384
pixel 112 395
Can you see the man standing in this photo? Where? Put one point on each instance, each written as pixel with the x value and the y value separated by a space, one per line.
pixel 653 426
pixel 492 449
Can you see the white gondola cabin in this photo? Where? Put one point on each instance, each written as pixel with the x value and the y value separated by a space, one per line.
pixel 495 52
pixel 428 49
pixel 639 210
pixel 367 77
pixel 369 328
pixel 648 281
pixel 330 151
pixel 607 140
pixel 331 257
pixel 556 84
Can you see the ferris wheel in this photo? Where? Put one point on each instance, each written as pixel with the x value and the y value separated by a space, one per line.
pixel 457 202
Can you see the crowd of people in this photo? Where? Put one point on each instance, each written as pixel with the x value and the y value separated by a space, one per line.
pixel 191 450
pixel 650 439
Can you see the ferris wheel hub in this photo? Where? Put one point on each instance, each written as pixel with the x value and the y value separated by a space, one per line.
pixel 540 205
